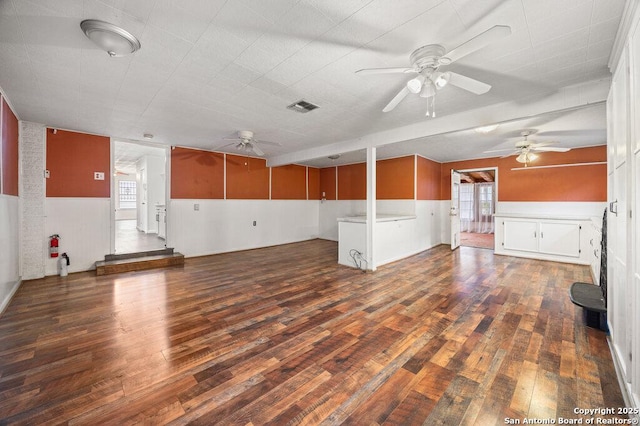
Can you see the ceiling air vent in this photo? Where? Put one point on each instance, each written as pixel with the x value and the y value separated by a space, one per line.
pixel 302 106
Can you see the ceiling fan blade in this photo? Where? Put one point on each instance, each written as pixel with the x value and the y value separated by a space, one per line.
pixel 267 142
pixel 396 99
pixel 498 150
pixel 511 154
pixel 367 71
pixel 539 144
pixel 478 42
pixel 223 146
pixel 255 149
pixel 550 149
pixel 469 84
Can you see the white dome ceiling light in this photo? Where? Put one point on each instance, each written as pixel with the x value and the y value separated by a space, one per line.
pixel 111 38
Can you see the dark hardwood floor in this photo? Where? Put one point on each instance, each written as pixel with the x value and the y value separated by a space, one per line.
pixel 284 335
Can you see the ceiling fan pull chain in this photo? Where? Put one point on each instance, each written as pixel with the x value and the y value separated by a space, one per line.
pixel 433 106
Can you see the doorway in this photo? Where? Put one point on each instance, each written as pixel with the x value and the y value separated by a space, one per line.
pixel 478 194
pixel 139 197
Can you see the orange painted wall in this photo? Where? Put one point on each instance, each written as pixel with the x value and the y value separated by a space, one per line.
pixel 328 183
pixel 395 178
pixel 289 182
pixel 9 167
pixel 196 174
pixel 352 182
pixel 314 183
pixel 247 178
pixel 581 183
pixel 72 158
pixel 428 179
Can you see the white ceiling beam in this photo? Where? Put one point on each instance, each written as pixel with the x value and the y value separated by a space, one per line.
pixel 567 98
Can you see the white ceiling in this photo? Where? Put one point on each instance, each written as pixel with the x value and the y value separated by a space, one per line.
pixel 127 154
pixel 209 68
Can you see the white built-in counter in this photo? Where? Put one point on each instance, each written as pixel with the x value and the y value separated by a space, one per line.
pixel 394 239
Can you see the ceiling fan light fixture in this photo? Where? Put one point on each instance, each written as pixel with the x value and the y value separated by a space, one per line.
pixel 110 38
pixel 442 79
pixel 415 84
pixel 428 90
pixel 526 158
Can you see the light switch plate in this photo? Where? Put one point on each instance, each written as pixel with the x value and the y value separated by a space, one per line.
pixel 98 175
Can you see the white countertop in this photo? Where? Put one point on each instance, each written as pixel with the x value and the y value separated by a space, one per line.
pixel 379 218
pixel 541 216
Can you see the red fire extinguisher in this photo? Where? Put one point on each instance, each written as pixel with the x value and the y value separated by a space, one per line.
pixel 53 245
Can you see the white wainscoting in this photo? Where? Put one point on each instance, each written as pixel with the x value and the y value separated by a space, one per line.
pixel 556 208
pixel 84 227
pixel 428 226
pixel 220 226
pixel 9 239
pixel 331 210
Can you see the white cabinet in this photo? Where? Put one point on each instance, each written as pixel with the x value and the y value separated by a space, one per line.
pixel 560 238
pixel 557 239
pixel 520 235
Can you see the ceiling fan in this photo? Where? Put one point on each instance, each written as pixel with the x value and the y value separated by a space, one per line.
pixel 246 142
pixel 526 149
pixel 426 61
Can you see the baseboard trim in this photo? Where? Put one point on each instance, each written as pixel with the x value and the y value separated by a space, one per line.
pixel 622 383
pixel 8 297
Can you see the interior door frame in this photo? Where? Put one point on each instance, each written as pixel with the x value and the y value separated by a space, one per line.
pixel 454 209
pixel 495 179
pixel 114 191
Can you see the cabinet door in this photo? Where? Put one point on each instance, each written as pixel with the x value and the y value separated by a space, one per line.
pixel 521 235
pixel 560 238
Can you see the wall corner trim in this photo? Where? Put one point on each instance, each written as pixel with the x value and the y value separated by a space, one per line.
pixel 9 296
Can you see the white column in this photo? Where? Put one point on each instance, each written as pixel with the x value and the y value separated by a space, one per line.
pixel 371 207
pixel 33 237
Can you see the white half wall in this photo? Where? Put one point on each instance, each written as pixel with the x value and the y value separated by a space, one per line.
pixel 84 227
pixel 220 226
pixel 9 239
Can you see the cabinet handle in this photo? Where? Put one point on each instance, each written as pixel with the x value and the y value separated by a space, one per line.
pixel 541 234
pixel 535 234
pixel 612 209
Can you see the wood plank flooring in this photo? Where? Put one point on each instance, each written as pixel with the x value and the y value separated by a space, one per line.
pixel 285 335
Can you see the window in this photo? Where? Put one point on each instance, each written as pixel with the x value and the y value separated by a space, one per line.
pixel 466 201
pixel 485 197
pixel 127 194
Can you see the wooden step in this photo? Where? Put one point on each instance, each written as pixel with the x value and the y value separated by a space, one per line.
pixel 168 250
pixel 106 267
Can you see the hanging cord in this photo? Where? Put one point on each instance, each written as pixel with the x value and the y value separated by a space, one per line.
pixel 358 259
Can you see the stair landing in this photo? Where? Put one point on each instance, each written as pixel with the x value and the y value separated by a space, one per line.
pixel 128 262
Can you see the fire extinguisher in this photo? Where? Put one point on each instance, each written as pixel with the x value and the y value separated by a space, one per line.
pixel 53 245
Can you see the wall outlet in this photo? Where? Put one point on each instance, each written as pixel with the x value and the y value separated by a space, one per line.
pixel 196 207
pixel 98 175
